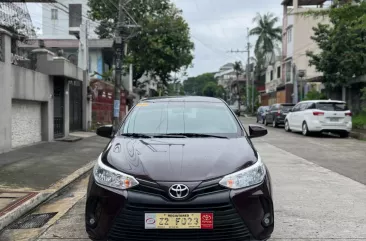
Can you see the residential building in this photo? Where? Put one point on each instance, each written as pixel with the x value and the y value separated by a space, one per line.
pixel 296 40
pixel 227 78
pixel 274 85
pixel 100 52
pixel 63 19
pixel 42 97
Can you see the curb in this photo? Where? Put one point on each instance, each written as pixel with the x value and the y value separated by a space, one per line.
pixel 43 196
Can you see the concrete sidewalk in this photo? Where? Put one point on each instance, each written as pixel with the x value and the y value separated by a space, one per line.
pixel 31 174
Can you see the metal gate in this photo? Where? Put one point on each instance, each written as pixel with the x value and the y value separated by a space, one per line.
pixel 75 94
pixel 58 107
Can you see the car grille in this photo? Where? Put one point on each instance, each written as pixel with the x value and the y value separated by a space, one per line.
pixel 206 187
pixel 228 225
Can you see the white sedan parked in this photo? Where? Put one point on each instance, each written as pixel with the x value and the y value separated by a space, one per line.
pixel 320 116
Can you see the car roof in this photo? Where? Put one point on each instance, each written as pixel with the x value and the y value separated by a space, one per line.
pixel 182 99
pixel 316 101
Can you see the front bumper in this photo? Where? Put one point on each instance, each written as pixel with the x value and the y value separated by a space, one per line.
pixel 238 215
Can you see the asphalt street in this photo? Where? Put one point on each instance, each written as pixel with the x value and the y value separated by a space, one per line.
pixel 319 190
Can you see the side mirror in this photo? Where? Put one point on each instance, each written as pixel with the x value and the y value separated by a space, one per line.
pixel 105 131
pixel 257 131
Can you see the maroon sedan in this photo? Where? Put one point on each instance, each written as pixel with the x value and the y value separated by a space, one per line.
pixel 180 168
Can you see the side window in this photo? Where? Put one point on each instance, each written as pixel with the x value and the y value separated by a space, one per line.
pixel 296 107
pixel 311 106
pixel 303 106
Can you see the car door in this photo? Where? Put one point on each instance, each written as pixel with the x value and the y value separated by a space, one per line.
pixel 259 113
pixel 274 112
pixel 301 114
pixel 269 117
pixel 292 117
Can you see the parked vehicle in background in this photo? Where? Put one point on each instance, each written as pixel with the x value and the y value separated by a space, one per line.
pixel 277 113
pixel 320 116
pixel 261 113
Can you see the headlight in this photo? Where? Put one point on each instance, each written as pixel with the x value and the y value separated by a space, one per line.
pixel 247 177
pixel 112 178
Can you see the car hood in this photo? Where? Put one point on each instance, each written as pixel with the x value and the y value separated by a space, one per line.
pixel 179 159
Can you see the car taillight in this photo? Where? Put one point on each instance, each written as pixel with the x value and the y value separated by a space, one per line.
pixel 318 113
pixel 349 114
pixel 278 112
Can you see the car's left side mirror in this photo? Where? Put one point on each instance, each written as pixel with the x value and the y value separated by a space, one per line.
pixel 105 131
pixel 257 131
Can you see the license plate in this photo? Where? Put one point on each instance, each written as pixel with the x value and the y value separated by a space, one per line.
pixel 333 119
pixel 178 220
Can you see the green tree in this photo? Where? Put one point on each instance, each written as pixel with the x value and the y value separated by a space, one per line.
pixel 266 31
pixel 238 68
pixel 342 44
pixel 162 44
pixel 315 95
pixel 195 85
pixel 210 89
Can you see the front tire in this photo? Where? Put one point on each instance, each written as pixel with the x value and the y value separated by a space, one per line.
pixel 305 130
pixel 287 126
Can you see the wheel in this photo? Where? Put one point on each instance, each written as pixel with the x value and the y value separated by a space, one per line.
pixel 274 124
pixel 305 130
pixel 265 122
pixel 287 126
pixel 344 134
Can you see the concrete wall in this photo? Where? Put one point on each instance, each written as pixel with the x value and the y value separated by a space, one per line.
pixel 22 92
pixel 303 31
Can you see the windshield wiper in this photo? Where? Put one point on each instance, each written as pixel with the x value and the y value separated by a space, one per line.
pixel 194 135
pixel 136 135
pixel 173 135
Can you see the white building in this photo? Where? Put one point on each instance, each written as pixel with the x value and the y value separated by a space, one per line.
pixel 59 18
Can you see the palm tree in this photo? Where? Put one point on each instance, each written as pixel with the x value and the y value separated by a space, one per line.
pixel 238 68
pixel 268 34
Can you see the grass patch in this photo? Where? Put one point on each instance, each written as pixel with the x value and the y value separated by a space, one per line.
pixel 359 121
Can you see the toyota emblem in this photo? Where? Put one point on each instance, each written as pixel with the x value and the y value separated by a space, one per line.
pixel 178 191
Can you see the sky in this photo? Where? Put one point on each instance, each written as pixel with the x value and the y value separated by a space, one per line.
pixel 217 26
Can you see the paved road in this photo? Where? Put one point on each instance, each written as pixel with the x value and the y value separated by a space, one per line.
pixel 344 156
pixel 313 196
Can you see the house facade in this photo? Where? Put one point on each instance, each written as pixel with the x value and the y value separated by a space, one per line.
pixel 42 97
pixel 62 19
pixel 296 40
pixel 275 86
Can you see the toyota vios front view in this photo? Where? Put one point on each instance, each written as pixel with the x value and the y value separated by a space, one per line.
pixel 180 168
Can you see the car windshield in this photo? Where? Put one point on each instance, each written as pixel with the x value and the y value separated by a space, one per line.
pixel 332 106
pixel 287 108
pixel 182 117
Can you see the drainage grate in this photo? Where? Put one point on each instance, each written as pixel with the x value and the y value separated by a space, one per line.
pixel 32 221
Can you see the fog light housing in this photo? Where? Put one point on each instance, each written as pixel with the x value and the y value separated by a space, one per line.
pixel 267 220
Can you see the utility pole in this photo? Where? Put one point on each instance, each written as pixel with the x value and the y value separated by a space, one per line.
pixel 247 69
pixel 118 46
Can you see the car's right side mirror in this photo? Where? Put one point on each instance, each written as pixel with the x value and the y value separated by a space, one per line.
pixel 257 131
pixel 105 131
